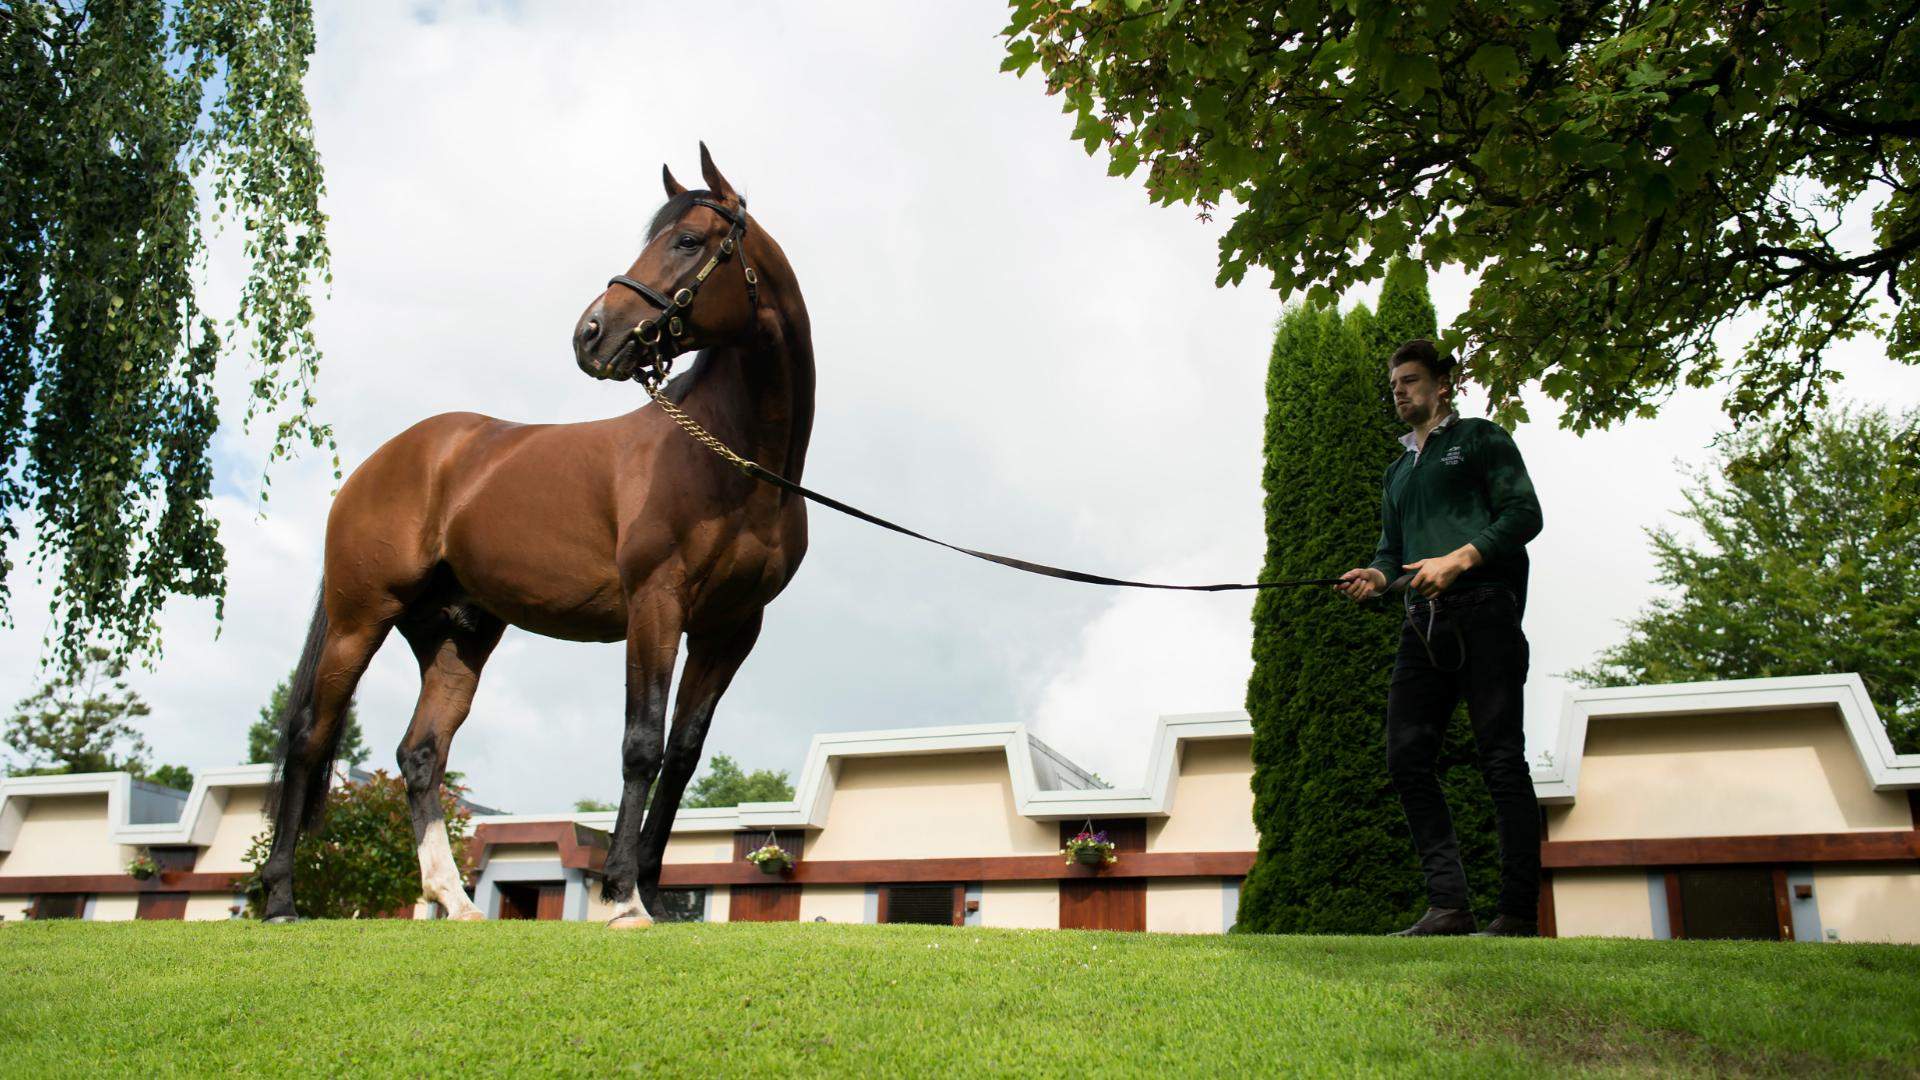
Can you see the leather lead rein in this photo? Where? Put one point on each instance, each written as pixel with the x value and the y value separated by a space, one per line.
pixel 765 475
pixel 665 346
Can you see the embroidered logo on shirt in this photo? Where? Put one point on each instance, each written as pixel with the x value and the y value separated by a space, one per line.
pixel 1452 457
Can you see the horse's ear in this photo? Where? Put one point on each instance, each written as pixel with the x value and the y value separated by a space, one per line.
pixel 673 186
pixel 715 182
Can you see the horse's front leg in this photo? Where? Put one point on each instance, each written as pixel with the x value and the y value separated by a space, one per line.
pixel 712 660
pixel 653 638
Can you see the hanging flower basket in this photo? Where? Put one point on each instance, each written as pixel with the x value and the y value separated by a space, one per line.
pixel 770 858
pixel 143 867
pixel 1090 848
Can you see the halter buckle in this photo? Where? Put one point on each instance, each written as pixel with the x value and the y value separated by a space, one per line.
pixel 675 327
pixel 752 278
pixel 726 246
pixel 683 298
pixel 648 332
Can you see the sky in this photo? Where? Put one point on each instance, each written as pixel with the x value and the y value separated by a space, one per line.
pixel 1016 352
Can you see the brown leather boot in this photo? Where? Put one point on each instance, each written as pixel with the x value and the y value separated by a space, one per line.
pixel 1510 926
pixel 1440 922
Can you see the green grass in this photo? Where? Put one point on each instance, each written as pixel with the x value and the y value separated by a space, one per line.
pixel 692 1000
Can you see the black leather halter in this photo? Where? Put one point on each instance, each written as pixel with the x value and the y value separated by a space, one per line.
pixel 661 335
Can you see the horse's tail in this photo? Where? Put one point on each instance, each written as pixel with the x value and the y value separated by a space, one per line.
pixel 295 724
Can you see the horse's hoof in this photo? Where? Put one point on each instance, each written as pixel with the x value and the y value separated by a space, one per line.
pixel 467 916
pixel 282 920
pixel 629 922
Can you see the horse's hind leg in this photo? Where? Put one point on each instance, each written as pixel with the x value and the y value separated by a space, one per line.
pixel 335 656
pixel 452 647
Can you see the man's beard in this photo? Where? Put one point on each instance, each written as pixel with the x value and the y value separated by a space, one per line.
pixel 1415 413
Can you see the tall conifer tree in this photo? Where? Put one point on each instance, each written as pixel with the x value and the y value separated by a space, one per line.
pixel 1334 854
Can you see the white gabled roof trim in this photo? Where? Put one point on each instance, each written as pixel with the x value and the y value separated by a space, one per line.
pixel 814 791
pixel 1846 694
pixel 196 824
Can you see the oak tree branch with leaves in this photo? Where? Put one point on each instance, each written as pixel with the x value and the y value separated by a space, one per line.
pixel 1627 178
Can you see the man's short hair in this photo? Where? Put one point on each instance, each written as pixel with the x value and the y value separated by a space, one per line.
pixel 1427 355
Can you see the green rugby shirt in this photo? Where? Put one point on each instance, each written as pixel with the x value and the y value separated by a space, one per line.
pixel 1467 486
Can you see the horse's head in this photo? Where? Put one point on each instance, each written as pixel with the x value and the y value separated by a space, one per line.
pixel 693 285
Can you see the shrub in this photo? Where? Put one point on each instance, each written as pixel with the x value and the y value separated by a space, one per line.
pixel 361 862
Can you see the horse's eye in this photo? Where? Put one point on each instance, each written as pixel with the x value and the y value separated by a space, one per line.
pixel 688 240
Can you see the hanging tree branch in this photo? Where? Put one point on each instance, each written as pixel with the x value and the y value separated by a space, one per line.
pixel 119 115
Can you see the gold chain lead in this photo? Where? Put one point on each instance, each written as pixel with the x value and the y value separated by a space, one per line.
pixel 700 435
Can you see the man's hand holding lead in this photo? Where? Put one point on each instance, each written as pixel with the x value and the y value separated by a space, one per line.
pixel 1435 576
pixel 1362 583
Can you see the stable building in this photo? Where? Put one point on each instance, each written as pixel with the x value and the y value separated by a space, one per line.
pixel 1770 808
pixel 1756 808
pixel 66 842
pixel 955 825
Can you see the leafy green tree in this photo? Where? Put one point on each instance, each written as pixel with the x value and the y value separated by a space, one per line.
pixel 1625 178
pixel 264 736
pixel 593 806
pixel 177 777
pixel 129 124
pixel 1334 854
pixel 1803 564
pixel 726 784
pixel 360 863
pixel 84 719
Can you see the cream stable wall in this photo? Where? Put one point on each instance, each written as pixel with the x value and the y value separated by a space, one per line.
pixel 1769 773
pixel 66 834
pixel 121 908
pixel 834 903
pixel 1212 801
pixel 522 853
pixel 1185 906
pixel 928 806
pixel 1024 905
pixel 242 817
pixel 1869 902
pixel 714 847
pixel 1602 903
pixel 14 908
pixel 207 907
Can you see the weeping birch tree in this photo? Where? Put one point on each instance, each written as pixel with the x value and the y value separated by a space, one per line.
pixel 133 129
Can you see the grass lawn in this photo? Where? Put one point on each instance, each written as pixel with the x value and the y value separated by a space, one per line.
pixel 692 1000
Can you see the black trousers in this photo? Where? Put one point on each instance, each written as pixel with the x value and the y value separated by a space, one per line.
pixel 1428 682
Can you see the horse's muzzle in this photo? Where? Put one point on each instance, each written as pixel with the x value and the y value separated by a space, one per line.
pixel 600 353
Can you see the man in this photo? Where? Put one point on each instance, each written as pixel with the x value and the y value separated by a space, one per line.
pixel 1457 511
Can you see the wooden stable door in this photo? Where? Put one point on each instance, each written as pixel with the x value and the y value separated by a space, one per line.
pixel 764 903
pixel 533 900
pixel 1104 902
pixel 161 905
pixel 1103 905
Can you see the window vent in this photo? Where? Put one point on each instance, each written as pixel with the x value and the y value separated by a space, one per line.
pixel 681 905
pixel 930 904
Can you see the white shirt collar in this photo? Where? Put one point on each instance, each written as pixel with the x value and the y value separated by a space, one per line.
pixel 1413 444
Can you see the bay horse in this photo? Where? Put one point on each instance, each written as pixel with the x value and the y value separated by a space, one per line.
pixel 613 530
